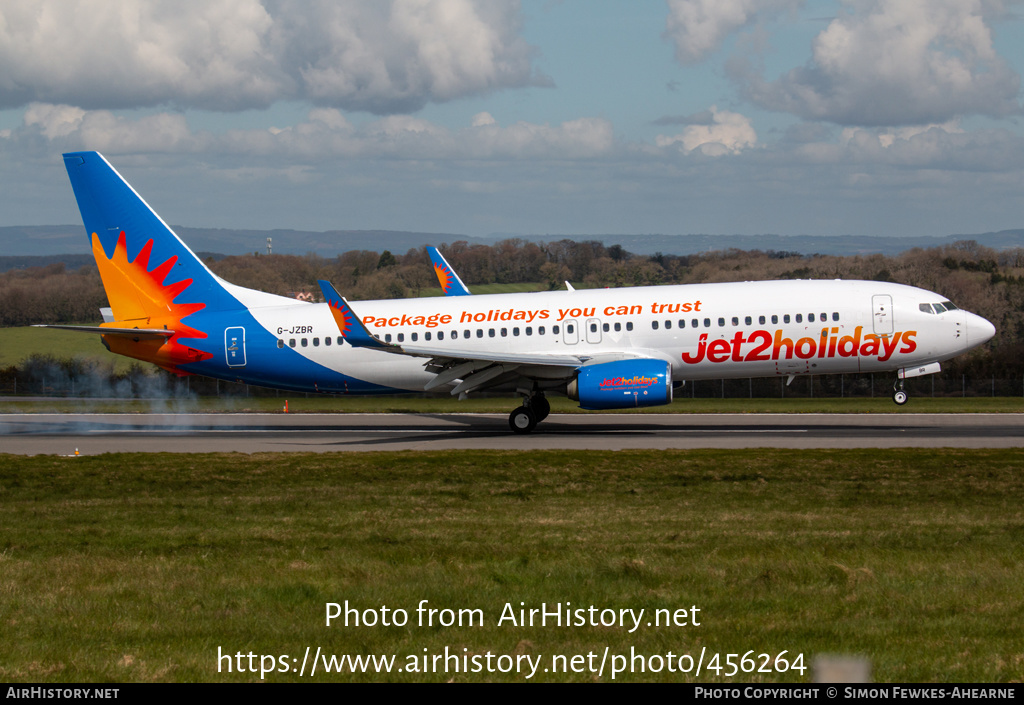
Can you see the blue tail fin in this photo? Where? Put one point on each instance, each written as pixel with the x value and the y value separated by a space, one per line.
pixel 446 276
pixel 147 271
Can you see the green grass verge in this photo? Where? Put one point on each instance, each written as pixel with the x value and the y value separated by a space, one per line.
pixel 16 344
pixel 138 567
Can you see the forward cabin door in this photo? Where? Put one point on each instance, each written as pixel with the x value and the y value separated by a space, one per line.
pixel 881 318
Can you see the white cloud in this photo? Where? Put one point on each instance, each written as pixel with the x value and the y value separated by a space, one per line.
pixel 384 56
pixel 726 133
pixel 899 62
pixel 483 119
pixel 326 134
pixel 698 27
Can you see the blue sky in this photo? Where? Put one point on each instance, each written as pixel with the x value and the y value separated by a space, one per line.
pixel 867 117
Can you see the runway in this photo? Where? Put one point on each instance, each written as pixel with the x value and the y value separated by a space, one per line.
pixel 91 434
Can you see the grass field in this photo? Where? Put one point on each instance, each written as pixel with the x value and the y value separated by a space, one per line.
pixel 139 567
pixel 16 344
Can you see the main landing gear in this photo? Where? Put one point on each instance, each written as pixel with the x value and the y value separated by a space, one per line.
pixel 535 409
pixel 898 395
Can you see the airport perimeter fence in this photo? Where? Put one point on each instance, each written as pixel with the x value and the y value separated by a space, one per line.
pixel 851 386
pixel 74 379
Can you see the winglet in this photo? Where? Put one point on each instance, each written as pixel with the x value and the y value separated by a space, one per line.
pixel 450 282
pixel 351 328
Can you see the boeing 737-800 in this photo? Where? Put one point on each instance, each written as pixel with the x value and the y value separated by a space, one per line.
pixel 605 348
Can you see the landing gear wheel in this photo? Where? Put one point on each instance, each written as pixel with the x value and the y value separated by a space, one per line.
pixel 898 395
pixel 522 420
pixel 540 407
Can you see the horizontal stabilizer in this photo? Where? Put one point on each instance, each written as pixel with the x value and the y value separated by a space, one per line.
pixel 136 333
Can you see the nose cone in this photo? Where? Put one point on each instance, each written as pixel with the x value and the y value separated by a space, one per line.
pixel 979 330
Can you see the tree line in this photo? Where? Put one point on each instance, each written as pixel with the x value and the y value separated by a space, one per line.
pixel 982 280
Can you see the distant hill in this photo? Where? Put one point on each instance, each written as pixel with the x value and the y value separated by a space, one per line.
pixel 53 242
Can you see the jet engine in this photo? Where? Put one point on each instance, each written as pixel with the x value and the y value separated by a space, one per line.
pixel 622 384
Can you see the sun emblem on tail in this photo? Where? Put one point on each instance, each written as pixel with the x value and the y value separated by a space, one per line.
pixel 343 317
pixel 139 298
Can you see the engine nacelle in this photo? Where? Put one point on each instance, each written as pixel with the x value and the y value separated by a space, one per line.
pixel 623 384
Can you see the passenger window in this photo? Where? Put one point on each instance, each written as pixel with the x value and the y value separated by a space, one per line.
pixel 694 323
pixel 810 318
pixel 490 333
pixel 785 318
pixel 593 327
pixel 682 323
pixel 799 318
pixel 570 329
pixel 707 322
pixel 529 330
pixel 721 323
pixel 401 337
pixel 654 325
pixel 760 320
pixel 440 335
pixel 775 320
pixel 316 342
pixel 668 325
pixel 467 333
pixel 735 321
pixel 515 331
pixel 629 325
pixel 340 340
pixel 415 336
pixel 327 342
pixel 504 332
pixel 554 330
pixel 835 316
pixel 387 337
pixel 291 343
pixel 618 327
pixel 280 343
pixel 540 330
pixel 426 336
pixel 823 318
pixel 479 332
pixel 305 343
pixel 748 320
pixel 606 327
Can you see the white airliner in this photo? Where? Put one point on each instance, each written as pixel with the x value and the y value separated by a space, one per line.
pixel 606 348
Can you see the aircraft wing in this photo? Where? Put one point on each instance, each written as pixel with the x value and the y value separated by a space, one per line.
pixel 477 369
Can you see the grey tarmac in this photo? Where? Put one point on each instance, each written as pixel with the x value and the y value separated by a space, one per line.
pixel 90 434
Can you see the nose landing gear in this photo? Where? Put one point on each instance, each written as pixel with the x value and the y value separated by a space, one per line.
pixel 535 409
pixel 898 394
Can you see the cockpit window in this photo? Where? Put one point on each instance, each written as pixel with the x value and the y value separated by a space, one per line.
pixel 939 308
pixel 949 306
pixel 927 308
